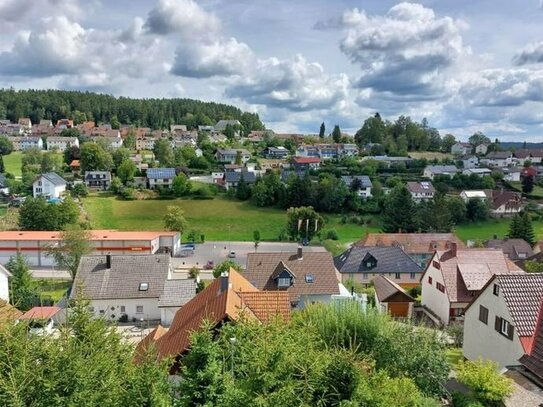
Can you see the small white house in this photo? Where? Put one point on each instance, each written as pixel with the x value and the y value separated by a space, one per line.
pixel 160 177
pixel 50 185
pixel 470 161
pixel 362 182
pixel 481 149
pixel 42 320
pixel 500 323
pixel 511 174
pixel 421 191
pixel 4 283
pixel 467 195
pixel 431 171
pixel 461 148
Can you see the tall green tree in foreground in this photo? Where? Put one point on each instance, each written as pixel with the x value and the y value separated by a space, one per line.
pixel 24 292
pixel 87 363
pixel 174 219
pixel 527 184
pixel 521 228
pixel 336 134
pixel 303 222
pixel 322 131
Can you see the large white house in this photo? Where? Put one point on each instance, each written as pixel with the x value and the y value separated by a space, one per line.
pixel 454 277
pixel 133 287
pixel 500 323
pixel 362 183
pixel 61 143
pixel 50 185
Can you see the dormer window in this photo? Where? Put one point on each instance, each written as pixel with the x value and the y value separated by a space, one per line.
pixel 144 286
pixel 283 282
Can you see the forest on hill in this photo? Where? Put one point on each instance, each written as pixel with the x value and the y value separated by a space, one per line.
pixel 102 108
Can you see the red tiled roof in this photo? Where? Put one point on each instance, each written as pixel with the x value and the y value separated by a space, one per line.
pixel 533 360
pixel 220 301
pixel 306 160
pixel 40 313
pixel 470 269
pixel 412 242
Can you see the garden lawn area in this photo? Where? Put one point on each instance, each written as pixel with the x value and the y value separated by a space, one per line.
pixel 53 288
pixel 454 356
pixel 537 191
pixel 487 229
pixel 13 162
pixel 429 155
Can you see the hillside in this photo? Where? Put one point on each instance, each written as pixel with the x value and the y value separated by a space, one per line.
pixel 82 106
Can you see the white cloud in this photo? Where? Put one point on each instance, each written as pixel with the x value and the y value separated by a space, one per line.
pixel 219 57
pixel 408 51
pixel 531 54
pixel 184 17
pixel 294 84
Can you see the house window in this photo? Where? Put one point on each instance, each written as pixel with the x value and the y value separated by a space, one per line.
pixel 123 308
pixel 144 286
pixel 101 312
pixel 397 276
pixel 495 289
pixel 483 314
pixel 139 309
pixel 429 280
pixel 365 276
pixel 436 265
pixel 368 264
pixel 283 282
pixel 412 276
pixel 440 287
pixel 504 327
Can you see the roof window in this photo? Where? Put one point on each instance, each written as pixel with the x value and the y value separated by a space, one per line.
pixel 309 278
pixel 144 286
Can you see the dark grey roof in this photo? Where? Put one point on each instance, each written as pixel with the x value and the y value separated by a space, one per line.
pixel 515 249
pixel 235 176
pixel 440 169
pixel 285 174
pixel 161 173
pixel 177 293
pixel 389 260
pixel 522 294
pixel 124 277
pixel 54 178
pixel 364 179
pixel 499 154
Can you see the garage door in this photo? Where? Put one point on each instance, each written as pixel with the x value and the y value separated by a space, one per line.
pixel 398 309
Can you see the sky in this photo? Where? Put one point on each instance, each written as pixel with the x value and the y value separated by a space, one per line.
pixel 464 65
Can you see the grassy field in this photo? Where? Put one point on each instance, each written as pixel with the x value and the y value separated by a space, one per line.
pixel 429 155
pixel 217 219
pixel 12 162
pixel 53 288
pixel 537 191
pixel 489 228
pixel 454 356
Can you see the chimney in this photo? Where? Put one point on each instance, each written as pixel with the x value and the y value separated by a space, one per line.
pixel 300 253
pixel 454 246
pixel 224 281
pixel 108 261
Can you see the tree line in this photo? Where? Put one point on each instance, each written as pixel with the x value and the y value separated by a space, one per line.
pixel 82 106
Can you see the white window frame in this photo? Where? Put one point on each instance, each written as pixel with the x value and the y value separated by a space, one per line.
pixel 123 308
pixel 504 327
pixel 283 282
pixel 139 309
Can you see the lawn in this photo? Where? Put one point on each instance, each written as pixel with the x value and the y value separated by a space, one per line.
pixel 53 288
pixel 218 219
pixel 12 163
pixel 537 191
pixel 454 356
pixel 429 155
pixel 487 229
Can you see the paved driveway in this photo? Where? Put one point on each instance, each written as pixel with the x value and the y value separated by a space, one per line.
pixel 218 252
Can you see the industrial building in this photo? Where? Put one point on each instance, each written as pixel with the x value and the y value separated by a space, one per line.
pixel 35 245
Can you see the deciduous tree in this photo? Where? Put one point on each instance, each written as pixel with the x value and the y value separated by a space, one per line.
pixel 73 244
pixel 24 292
pixel 174 219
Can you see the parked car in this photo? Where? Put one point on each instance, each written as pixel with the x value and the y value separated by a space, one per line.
pixel 209 265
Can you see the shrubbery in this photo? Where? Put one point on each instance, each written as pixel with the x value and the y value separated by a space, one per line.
pixel 483 378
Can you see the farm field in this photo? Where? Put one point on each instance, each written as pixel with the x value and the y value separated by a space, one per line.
pixel 12 163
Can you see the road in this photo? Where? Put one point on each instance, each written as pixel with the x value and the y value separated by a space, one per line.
pixel 218 252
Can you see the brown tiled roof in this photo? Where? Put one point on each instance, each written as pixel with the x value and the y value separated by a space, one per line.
pixel 222 300
pixel 261 267
pixel 515 249
pixel 149 340
pixel 412 242
pixel 8 312
pixel 306 160
pixel 499 198
pixel 470 270
pixel 522 294
pixel 386 288
pixel 418 187
pixel 40 313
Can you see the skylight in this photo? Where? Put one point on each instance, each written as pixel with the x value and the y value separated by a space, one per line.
pixel 144 286
pixel 309 278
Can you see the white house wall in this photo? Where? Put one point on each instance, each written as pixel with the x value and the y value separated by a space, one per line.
pixel 432 298
pixel 4 287
pixel 112 308
pixel 482 340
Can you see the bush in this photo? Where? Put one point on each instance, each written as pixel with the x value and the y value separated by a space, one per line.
pixel 194 272
pixel 331 234
pixel 483 378
pixel 456 332
pixel 79 190
pixel 128 194
pixel 464 400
